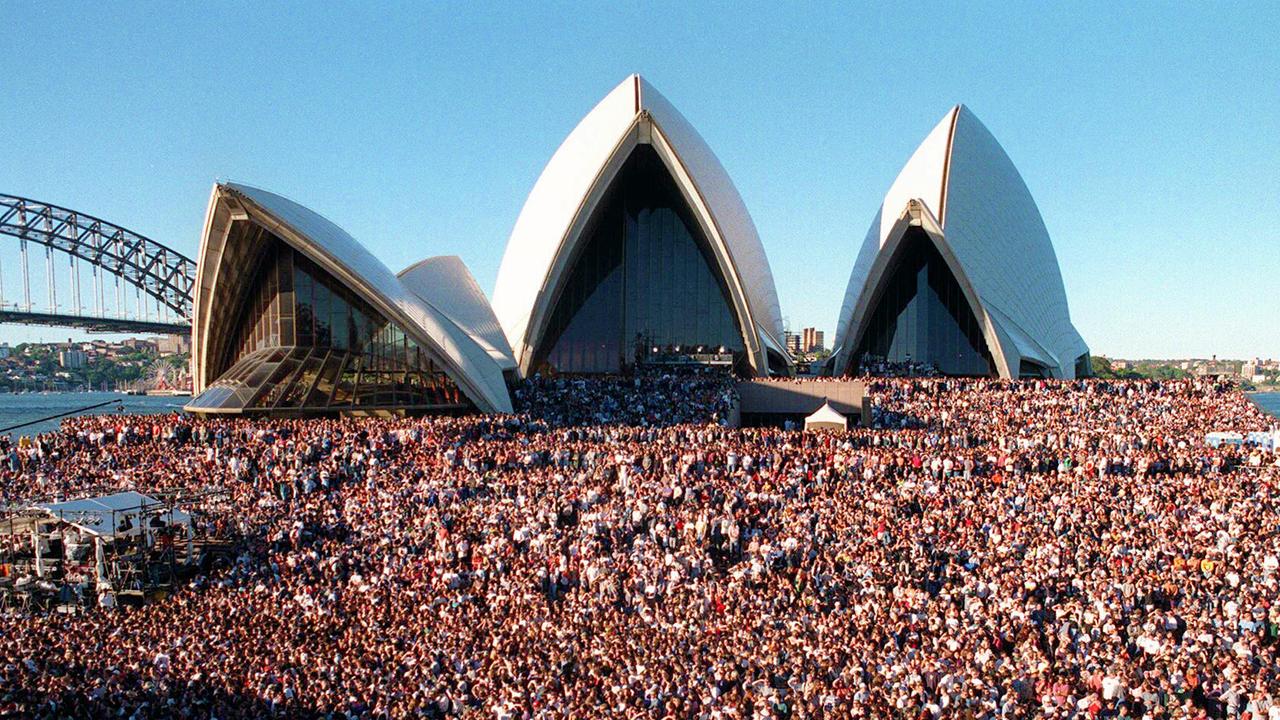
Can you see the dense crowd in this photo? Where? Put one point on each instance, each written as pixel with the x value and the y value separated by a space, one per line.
pixel 875 366
pixel 649 397
pixel 990 549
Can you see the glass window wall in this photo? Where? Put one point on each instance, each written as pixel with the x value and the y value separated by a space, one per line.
pixel 922 317
pixel 305 342
pixel 644 287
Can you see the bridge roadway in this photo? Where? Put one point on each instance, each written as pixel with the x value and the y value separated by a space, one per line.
pixel 95 324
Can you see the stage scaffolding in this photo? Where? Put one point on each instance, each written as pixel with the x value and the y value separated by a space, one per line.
pixel 103 550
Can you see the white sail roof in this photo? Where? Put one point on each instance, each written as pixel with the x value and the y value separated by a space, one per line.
pixel 446 284
pixel 552 220
pixel 467 363
pixel 991 227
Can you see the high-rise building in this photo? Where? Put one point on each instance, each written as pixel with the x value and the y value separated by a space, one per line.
pixel 794 342
pixel 71 359
pixel 811 340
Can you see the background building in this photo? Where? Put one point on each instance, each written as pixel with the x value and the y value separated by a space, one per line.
pixel 811 340
pixel 173 344
pixel 71 358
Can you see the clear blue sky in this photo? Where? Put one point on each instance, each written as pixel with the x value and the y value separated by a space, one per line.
pixel 1148 133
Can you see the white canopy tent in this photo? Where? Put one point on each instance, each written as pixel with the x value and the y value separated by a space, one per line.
pixel 826 418
pixel 1265 439
pixel 117 515
pixel 1217 439
pixel 104 518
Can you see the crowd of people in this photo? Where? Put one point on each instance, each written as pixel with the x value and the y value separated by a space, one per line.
pixel 650 397
pixel 989 549
pixel 876 366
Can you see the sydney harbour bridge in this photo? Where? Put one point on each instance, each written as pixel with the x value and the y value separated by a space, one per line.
pixel 94 275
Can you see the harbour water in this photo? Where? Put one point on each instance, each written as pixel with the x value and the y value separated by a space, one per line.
pixel 24 407
pixel 1270 402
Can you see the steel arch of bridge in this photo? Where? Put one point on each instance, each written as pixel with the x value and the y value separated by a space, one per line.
pixel 161 272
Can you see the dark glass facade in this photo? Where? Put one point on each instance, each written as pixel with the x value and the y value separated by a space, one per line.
pixel 644 287
pixel 302 341
pixel 1084 366
pixel 1032 369
pixel 920 315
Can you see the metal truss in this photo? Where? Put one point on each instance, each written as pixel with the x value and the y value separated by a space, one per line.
pixel 161 272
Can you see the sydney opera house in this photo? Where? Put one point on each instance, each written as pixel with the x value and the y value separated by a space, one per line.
pixel 957 271
pixel 633 249
pixel 292 315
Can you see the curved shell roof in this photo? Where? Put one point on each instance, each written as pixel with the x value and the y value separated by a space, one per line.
pixel 992 227
pixel 447 285
pixel 469 364
pixel 579 172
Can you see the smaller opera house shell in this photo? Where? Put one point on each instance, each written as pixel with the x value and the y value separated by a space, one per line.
pixel 293 316
pixel 957 272
pixel 634 248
